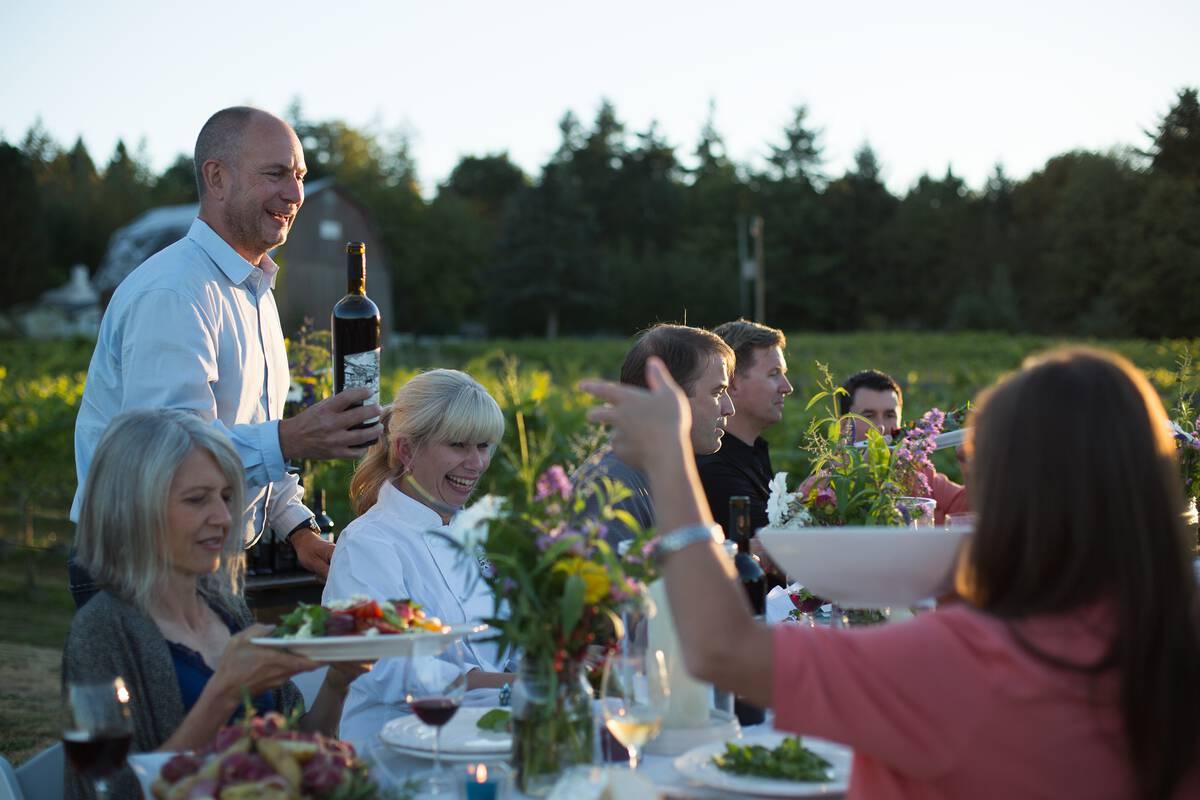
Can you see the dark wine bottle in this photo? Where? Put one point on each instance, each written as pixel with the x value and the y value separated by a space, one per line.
pixel 754 582
pixel 324 521
pixel 356 328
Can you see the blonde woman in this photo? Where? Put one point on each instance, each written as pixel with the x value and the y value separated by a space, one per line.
pixel 442 430
pixel 157 532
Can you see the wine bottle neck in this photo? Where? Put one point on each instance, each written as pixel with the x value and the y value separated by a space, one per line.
pixel 356 273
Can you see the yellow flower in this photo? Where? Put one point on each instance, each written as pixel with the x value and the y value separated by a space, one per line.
pixel 595 578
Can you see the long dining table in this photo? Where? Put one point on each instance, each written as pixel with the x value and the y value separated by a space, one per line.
pixel 392 769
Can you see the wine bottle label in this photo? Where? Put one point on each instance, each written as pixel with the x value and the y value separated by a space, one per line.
pixel 362 369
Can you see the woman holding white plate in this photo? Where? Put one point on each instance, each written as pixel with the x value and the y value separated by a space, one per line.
pixel 156 531
pixel 442 429
pixel 1072 666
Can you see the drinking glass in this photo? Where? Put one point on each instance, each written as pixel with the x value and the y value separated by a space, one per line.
pixel 634 695
pixel 442 683
pixel 961 520
pixel 917 511
pixel 97 730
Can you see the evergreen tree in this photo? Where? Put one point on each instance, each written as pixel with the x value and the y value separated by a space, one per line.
pixel 23 259
pixel 1176 146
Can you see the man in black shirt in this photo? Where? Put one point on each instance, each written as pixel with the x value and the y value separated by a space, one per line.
pixel 757 387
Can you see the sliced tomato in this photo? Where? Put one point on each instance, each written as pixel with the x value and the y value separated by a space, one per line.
pixel 366 610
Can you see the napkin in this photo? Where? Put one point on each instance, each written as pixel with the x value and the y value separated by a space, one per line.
pixel 779 604
pixel 603 783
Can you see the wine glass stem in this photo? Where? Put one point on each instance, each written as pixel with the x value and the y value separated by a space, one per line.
pixel 101 786
pixel 633 757
pixel 437 751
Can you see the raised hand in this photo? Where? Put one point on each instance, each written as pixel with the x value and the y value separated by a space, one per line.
pixel 322 431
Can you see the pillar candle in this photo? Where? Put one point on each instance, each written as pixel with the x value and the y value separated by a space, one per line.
pixel 690 699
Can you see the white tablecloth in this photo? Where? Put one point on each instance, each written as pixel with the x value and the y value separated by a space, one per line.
pixel 391 768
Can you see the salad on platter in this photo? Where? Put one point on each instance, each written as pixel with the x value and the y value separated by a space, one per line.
pixel 357 616
pixel 790 760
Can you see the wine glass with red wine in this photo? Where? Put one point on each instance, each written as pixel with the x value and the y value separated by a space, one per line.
pixel 97 730
pixel 439 686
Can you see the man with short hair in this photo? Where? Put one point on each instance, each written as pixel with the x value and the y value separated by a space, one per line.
pixel 196 327
pixel 876 397
pixel 758 388
pixel 700 362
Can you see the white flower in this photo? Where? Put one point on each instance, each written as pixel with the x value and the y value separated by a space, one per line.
pixel 779 501
pixel 785 509
pixel 470 525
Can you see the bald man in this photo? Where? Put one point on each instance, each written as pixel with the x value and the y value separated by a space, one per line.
pixel 196 327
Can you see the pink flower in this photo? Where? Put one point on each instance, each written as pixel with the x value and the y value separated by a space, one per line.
pixel 825 496
pixel 553 481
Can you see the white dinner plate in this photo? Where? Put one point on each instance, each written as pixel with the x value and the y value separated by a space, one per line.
pixel 461 736
pixel 369 648
pixel 869 566
pixel 698 765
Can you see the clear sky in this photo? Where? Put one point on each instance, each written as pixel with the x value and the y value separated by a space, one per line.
pixel 928 84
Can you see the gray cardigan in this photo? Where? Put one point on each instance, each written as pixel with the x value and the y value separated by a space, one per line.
pixel 110 638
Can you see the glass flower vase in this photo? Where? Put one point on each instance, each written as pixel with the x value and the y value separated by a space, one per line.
pixel 552 723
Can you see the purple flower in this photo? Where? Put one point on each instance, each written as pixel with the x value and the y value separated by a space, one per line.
pixel 627 589
pixel 553 481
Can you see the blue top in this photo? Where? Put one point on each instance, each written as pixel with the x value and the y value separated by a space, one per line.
pixel 193 673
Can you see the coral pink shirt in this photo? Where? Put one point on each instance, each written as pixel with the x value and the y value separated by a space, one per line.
pixel 949 705
pixel 951 497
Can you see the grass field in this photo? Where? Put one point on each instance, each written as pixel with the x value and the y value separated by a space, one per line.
pixel 35 614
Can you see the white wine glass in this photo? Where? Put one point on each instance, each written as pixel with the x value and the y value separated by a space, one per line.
pixel 97 730
pixel 634 695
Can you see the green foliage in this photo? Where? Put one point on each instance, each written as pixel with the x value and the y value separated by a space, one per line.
pixel 616 231
pixel 561 585
pixel 534 380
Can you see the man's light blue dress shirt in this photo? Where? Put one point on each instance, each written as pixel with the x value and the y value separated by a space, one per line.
pixel 196 327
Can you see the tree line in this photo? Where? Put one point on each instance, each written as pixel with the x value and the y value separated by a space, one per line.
pixel 617 232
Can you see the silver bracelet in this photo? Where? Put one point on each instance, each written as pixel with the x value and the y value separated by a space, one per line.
pixel 686 536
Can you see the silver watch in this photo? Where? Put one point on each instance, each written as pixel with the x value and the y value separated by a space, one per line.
pixel 688 535
pixel 310 525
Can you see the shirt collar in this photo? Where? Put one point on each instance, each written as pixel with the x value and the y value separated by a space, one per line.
pixel 408 508
pixel 235 268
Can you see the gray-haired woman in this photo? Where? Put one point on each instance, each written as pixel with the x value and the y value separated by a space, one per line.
pixel 156 530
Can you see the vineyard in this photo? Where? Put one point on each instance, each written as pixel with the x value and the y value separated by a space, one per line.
pixel 535 382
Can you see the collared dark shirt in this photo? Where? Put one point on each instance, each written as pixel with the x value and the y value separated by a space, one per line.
pixel 737 469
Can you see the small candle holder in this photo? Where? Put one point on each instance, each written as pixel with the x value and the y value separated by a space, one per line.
pixel 484 780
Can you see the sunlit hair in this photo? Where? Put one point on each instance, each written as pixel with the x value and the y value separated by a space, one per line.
pixel 220 139
pixel 871 379
pixel 685 351
pixel 435 407
pixel 122 538
pixel 746 338
pixel 1079 500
